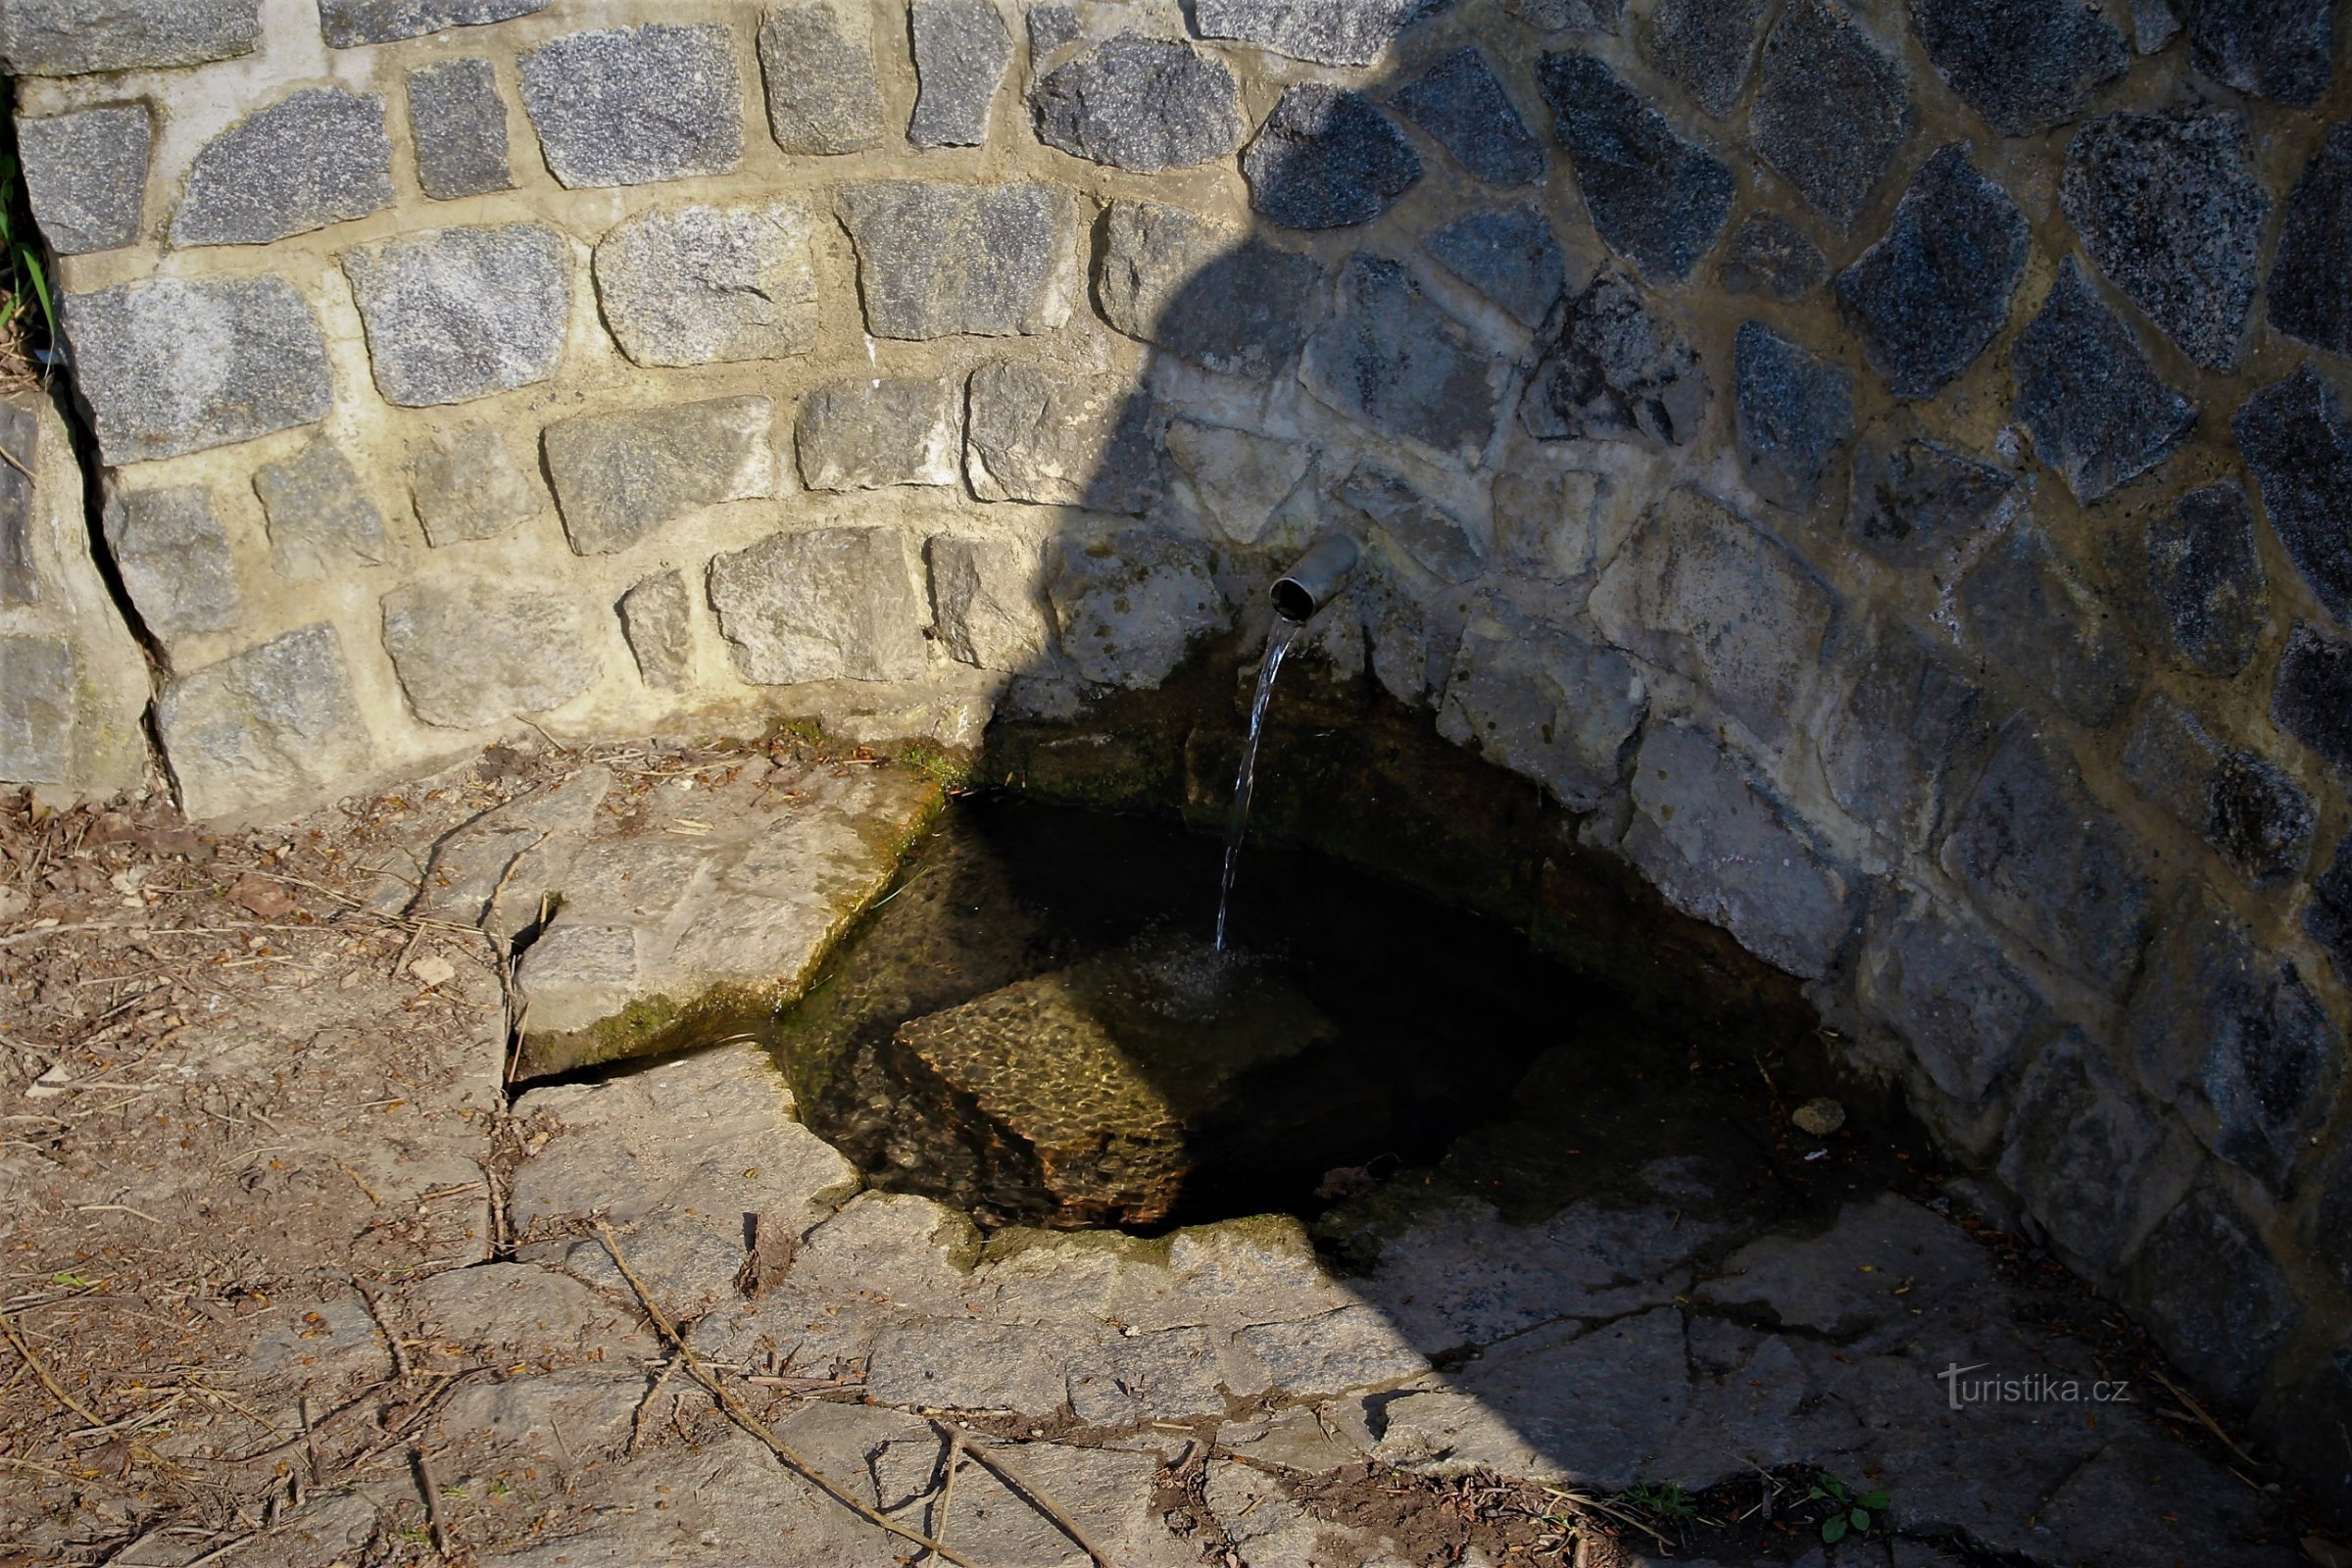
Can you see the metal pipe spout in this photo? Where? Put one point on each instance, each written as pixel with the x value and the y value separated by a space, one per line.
pixel 1316 578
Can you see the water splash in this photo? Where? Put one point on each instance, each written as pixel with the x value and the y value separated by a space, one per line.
pixel 1278 643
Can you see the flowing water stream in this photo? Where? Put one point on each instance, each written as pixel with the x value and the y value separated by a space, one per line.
pixel 1278 644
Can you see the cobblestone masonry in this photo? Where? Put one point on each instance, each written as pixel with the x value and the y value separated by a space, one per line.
pixel 1886 460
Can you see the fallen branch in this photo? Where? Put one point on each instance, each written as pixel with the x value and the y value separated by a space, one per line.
pixel 55 1390
pixel 1031 1492
pixel 735 1413
pixel 431 1486
pixel 2212 1426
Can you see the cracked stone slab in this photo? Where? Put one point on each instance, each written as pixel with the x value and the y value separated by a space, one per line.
pixel 322 522
pixel 268 728
pixel 317 157
pixel 628 105
pixel 473 867
pixel 458 314
pixel 709 286
pixel 350 24
pixel 823 604
pixel 1868 1276
pixel 1657 198
pixel 1327 32
pixel 1934 290
pixel 173 552
pixel 1352 1348
pixel 1138 103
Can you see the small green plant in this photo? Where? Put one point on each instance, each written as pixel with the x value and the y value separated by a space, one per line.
pixel 1661 1499
pixel 23 280
pixel 1848 1511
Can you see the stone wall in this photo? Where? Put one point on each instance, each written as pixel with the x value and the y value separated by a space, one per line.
pixel 1883 462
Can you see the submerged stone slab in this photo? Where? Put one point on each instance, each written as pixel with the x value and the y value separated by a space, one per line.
pixel 627 106
pixel 1141 103
pixel 1544 703
pixel 1327 157
pixel 2274 49
pixel 322 522
pixel 657 616
pixel 1796 413
pixel 2311 278
pixel 173 553
pixel 867 433
pixel 1916 500
pixel 74 37
pixel 988 601
pixel 2239 801
pixel 2096 407
pixel 1463 104
pixel 1328 33
pixel 2297 442
pixel 473 651
pixel 2171 211
pixel 1935 288
pixel 1392 358
pixel 1034 437
pixel 936 260
pixel 86 175
pixel 707 285
pixel 463 313
pixel 458 124
pixel 2205 579
pixel 961 48
pixel 2024 64
pixel 467 485
pixel 819 61
pixel 1206 293
pixel 179 365
pixel 1770 255
pixel 1708 46
pixel 2313 698
pixel 1129 606
pixel 265 729
pixel 1830 109
pixel 1508 253
pixel 827 603
pixel 2046 858
pixel 2036 617
pixel 1617 370
pixel 619 476
pixel 313 158
pixel 1657 198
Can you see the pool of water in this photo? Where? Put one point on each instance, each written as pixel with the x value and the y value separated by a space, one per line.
pixel 1033 1026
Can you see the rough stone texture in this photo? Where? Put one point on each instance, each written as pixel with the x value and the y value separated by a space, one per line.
pixel 1052 26
pixel 2154 24
pixel 819 61
pixel 704 285
pixel 1915 501
pixel 986 601
pixel 1392 358
pixel 19 573
pixel 1128 607
pixel 1719 846
pixel 2032 615
pixel 2217 1303
pixel 322 522
pixel 458 124
pixel 1203 293
pixel 1239 482
pixel 1796 413
pixel 936 260
pixel 265 729
pixel 2296 442
pixel 619 477
pixel 173 552
pixel 1830 109
pixel 1544 703
pixel 828 604
pixel 2328 919
pixel 1141 103
pixel 73 37
pixel 1508 253
pixel 2311 278
pixel 1328 33
pixel 1464 105
pixel 467 485
pixel 463 313
pixel 2047 860
pixel 1560 16
pixel 1410 522
pixel 86 175
pixel 2171 211
pixel 1615 371
pixel 2089 1155
pixel 1708 46
pixel 2025 68
pixel 1655 198
pixel 1930 294
pixel 475 652
pixel 2238 801
pixel 2276 49
pixel 1058 441
pixel 2313 699
pixel 961 48
pixel 1905 717
pixel 2205 580
pixel 1327 157
pixel 1699 589
pixel 2096 407
pixel 657 616
pixel 171 367
pixel 352 23
pixel 632 105
pixel 1938 975
pixel 317 157
pixel 867 433
pixel 1770 255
